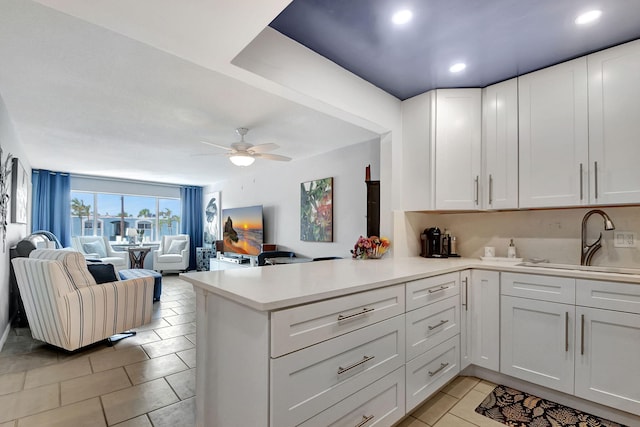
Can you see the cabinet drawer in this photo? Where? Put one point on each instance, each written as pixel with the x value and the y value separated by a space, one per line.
pixel 300 327
pixel 609 295
pixel 311 380
pixel 427 291
pixel 545 288
pixel 431 370
pixel 380 404
pixel 431 325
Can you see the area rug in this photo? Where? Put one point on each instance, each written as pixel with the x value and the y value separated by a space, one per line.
pixel 518 409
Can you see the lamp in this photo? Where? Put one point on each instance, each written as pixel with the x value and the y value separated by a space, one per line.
pixel 131 234
pixel 242 160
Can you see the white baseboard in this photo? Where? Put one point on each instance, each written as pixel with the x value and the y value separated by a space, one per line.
pixel 574 402
pixel 5 335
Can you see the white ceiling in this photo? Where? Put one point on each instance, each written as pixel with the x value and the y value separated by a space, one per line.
pixel 89 99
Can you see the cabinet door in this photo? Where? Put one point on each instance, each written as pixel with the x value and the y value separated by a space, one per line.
pixel 465 320
pixel 614 124
pixel 607 368
pixel 500 145
pixel 484 308
pixel 418 132
pixel 457 148
pixel 553 136
pixel 537 342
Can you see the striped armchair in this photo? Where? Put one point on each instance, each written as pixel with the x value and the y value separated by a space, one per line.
pixel 66 308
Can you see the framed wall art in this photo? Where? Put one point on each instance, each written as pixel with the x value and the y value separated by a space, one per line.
pixel 316 210
pixel 211 223
pixel 19 192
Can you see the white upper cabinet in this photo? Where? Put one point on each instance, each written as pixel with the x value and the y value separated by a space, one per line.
pixel 553 136
pixel 418 115
pixel 614 124
pixel 500 145
pixel 457 149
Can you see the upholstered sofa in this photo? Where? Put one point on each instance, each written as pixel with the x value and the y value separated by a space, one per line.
pixel 68 309
pixel 99 248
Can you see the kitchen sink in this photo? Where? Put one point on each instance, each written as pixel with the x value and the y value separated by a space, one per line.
pixel 593 268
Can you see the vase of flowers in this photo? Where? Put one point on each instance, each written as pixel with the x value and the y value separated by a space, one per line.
pixel 373 247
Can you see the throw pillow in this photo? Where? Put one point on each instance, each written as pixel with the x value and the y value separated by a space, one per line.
pixel 96 247
pixel 177 246
pixel 103 273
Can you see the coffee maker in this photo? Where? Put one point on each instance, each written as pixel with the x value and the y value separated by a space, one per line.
pixel 431 239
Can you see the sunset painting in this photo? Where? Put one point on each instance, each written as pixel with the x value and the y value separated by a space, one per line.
pixel 242 230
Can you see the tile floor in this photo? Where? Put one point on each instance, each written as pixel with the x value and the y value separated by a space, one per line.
pixel 146 380
pixel 149 379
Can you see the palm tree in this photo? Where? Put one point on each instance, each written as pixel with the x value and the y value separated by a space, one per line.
pixel 167 218
pixel 79 209
pixel 144 213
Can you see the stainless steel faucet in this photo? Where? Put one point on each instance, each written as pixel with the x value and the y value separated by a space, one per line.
pixel 587 251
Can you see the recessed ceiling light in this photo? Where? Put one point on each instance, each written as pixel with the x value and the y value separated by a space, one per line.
pixel 456 68
pixel 402 17
pixel 588 17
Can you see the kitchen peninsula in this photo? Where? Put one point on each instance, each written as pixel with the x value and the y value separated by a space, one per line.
pixel 368 341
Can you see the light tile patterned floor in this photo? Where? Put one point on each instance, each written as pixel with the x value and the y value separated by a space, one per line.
pixel 454 406
pixel 149 380
pixel 146 380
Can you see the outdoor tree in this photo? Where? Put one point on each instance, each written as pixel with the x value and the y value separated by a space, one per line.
pixel 167 218
pixel 144 213
pixel 79 209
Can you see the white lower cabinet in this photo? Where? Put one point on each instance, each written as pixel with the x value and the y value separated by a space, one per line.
pixel 308 381
pixel 431 370
pixel 380 404
pixel 607 368
pixel 537 342
pixel 480 313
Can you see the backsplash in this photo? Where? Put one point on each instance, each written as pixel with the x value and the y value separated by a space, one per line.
pixel 550 234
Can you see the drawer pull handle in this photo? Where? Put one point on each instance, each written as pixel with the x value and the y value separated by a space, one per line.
pixel 441 288
pixel 364 310
pixel 442 322
pixel 364 421
pixel 365 359
pixel 442 366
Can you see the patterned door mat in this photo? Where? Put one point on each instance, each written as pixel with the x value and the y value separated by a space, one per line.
pixel 518 409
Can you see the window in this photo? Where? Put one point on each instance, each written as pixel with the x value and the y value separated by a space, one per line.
pixel 97 214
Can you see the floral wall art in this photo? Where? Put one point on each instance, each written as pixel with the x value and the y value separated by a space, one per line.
pixel 316 210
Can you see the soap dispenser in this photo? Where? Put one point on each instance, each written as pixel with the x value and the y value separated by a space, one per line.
pixel 511 250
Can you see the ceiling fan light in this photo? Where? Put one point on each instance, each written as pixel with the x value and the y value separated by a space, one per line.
pixel 241 160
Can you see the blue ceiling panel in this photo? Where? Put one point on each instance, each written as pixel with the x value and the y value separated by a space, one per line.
pixel 497 39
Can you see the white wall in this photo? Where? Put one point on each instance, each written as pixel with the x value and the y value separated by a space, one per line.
pixel 278 190
pixel 550 234
pixel 10 144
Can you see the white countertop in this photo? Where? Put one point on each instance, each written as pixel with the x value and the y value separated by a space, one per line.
pixel 280 286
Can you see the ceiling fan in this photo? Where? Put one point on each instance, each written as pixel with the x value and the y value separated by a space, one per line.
pixel 242 153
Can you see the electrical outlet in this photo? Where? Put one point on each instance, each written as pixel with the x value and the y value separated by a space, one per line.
pixel 624 239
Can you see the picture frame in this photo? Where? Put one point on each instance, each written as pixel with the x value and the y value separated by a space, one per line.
pixel 211 217
pixel 316 210
pixel 19 192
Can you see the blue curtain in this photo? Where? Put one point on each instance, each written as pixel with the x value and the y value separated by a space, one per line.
pixel 192 219
pixel 52 204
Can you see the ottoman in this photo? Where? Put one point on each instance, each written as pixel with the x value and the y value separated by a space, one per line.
pixel 140 272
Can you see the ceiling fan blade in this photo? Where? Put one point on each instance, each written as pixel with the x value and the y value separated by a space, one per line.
pixel 272 157
pixel 207 154
pixel 263 148
pixel 217 146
